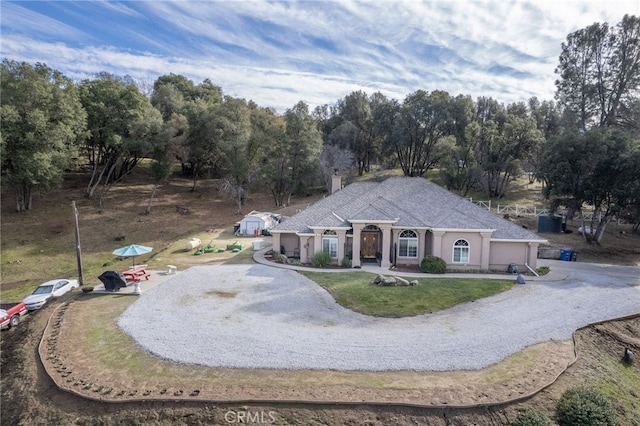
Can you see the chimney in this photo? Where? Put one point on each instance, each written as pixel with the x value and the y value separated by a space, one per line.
pixel 336 182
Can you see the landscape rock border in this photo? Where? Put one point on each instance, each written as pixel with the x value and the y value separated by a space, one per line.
pixel 61 373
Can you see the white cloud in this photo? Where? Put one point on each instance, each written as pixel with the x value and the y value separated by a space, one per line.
pixel 277 53
pixel 20 19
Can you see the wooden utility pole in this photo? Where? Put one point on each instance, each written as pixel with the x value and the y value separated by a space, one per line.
pixel 78 251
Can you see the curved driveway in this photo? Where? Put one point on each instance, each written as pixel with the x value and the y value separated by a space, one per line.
pixel 256 316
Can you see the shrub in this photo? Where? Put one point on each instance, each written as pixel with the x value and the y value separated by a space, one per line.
pixel 433 265
pixel 543 270
pixel 321 259
pixel 346 262
pixel 532 417
pixel 585 407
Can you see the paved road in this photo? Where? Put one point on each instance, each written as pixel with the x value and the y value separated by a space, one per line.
pixel 256 316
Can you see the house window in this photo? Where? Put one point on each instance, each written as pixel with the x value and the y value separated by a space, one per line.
pixel 461 251
pixel 330 243
pixel 408 244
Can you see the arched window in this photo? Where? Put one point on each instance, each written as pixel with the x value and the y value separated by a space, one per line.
pixel 330 243
pixel 461 251
pixel 408 244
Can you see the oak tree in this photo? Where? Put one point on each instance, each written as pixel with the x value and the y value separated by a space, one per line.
pixel 42 123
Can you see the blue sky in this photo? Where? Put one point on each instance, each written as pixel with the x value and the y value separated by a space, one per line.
pixel 280 52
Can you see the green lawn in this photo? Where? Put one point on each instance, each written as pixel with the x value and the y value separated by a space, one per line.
pixel 354 290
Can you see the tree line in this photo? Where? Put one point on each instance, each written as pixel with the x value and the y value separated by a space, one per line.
pixel 583 145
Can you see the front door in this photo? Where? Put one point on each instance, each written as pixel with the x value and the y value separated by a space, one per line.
pixel 370 244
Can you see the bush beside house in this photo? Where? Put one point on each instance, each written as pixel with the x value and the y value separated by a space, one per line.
pixel 321 259
pixel 433 265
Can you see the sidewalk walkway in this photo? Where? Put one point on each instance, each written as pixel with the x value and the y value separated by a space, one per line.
pixel 555 274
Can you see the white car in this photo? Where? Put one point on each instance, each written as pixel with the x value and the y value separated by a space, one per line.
pixel 48 290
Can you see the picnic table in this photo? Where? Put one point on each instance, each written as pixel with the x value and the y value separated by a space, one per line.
pixel 136 274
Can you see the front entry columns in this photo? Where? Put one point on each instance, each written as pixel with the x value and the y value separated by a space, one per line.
pixel 421 238
pixel 386 246
pixel 317 242
pixel 304 248
pixel 486 247
pixel 436 250
pixel 357 230
pixel 275 241
pixel 342 237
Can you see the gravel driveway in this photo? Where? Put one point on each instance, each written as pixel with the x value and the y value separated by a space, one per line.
pixel 255 316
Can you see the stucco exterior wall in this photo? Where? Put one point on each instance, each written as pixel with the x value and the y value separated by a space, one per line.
pixel 504 253
pixel 483 253
pixel 395 243
pixel 475 249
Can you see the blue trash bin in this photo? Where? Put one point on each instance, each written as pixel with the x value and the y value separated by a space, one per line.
pixel 565 255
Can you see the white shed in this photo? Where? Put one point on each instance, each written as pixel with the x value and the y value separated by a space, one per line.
pixel 256 222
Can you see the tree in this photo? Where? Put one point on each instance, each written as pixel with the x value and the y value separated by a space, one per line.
pixel 598 168
pixel 42 122
pixel 167 99
pixel 421 123
pixel 291 162
pixel 459 168
pixel 599 69
pixel 274 159
pixel 632 212
pixel 205 91
pixel 238 150
pixel 517 140
pixel 506 137
pixel 171 141
pixel 548 120
pixel 161 168
pixel 358 110
pixel 196 106
pixel 123 128
pixel 350 125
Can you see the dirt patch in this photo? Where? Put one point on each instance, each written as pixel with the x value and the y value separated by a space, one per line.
pixel 223 294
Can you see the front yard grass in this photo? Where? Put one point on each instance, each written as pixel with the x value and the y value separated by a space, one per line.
pixel 356 291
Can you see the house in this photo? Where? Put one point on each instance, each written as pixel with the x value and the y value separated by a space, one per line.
pixel 255 223
pixel 401 220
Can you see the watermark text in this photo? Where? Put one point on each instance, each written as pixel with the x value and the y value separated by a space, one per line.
pixel 250 417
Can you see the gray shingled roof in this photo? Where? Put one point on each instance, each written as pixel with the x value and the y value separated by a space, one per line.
pixel 413 202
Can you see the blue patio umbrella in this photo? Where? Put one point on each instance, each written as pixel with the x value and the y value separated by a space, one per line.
pixel 132 250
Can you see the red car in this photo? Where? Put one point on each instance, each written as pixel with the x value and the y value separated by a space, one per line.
pixel 11 313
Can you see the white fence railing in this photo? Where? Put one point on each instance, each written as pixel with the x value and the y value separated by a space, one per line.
pixel 516 210
pixel 521 210
pixel 482 203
